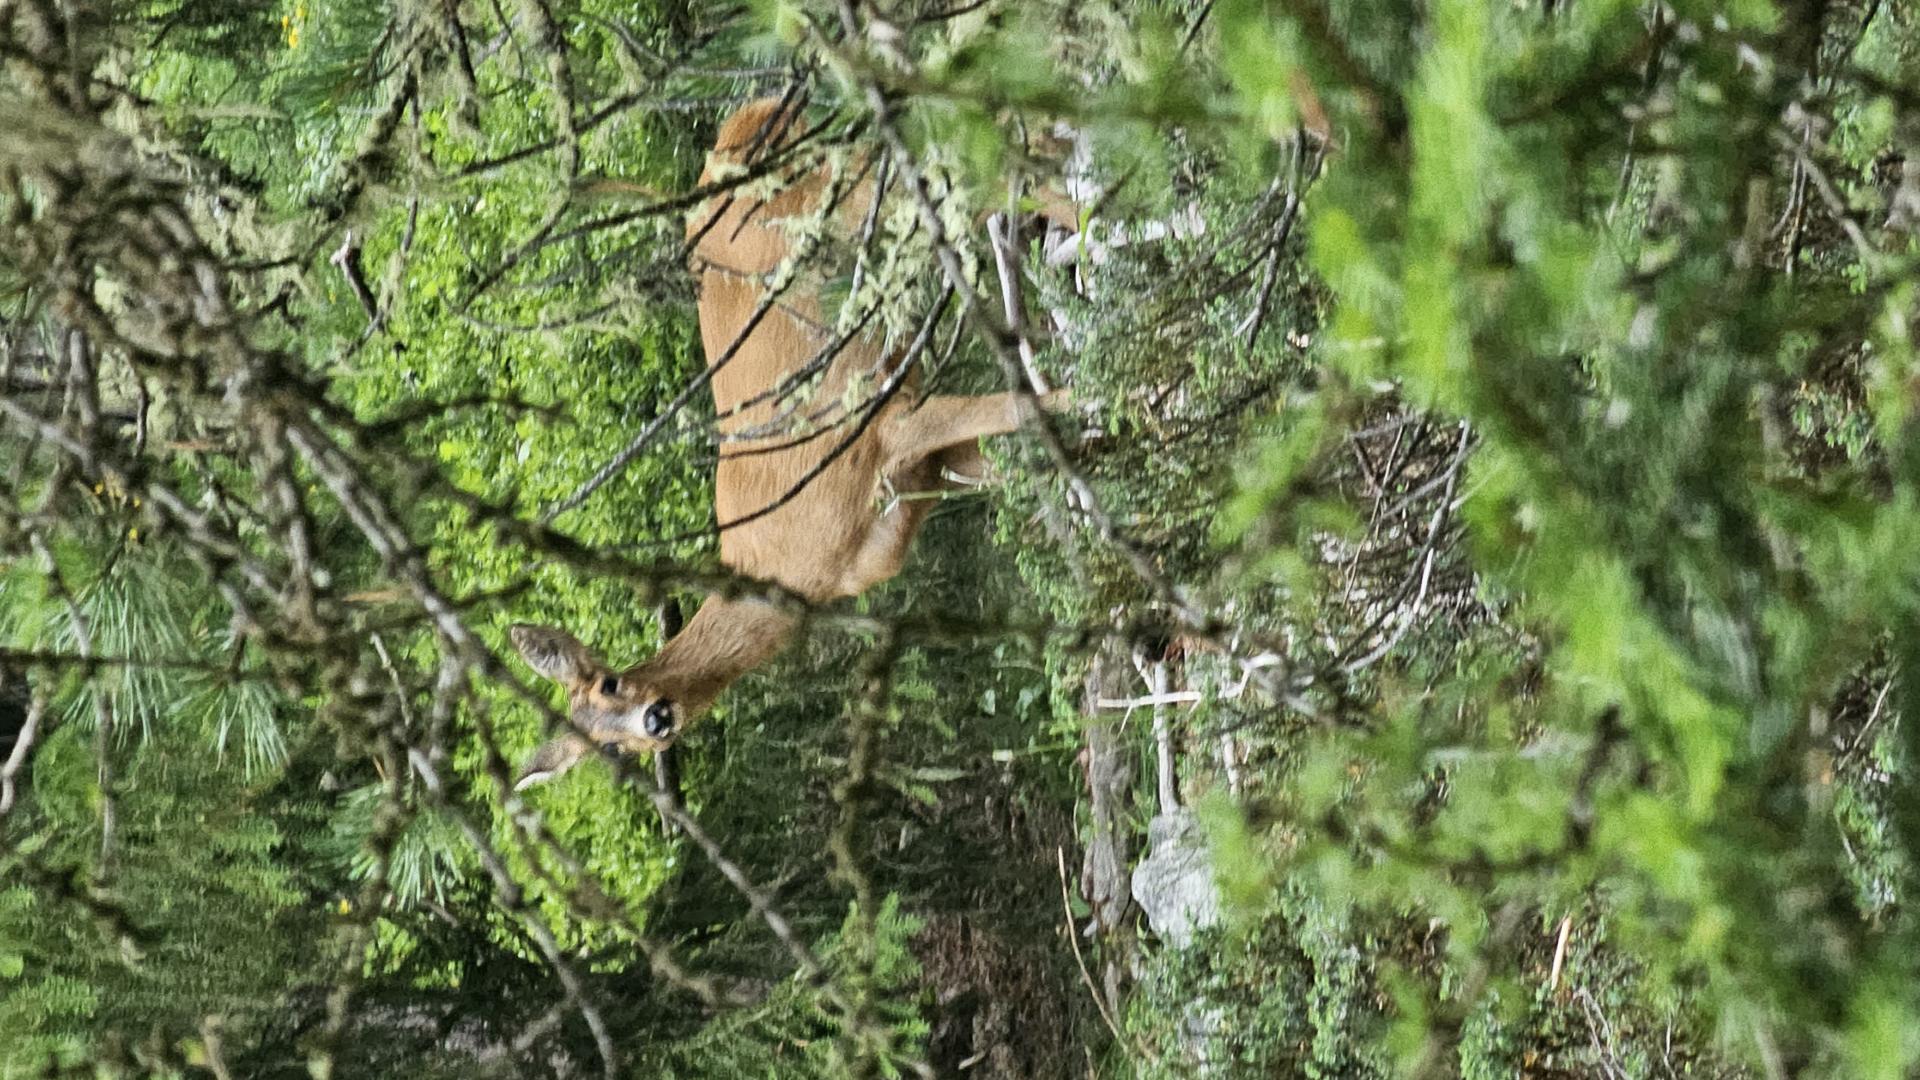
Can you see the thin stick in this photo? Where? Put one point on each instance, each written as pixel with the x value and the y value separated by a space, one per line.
pixel 22 750
pixel 1230 763
pixel 1003 234
pixel 1560 953
pixel 1169 789
pixel 1073 939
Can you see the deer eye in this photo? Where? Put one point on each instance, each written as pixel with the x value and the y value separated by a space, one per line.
pixel 609 684
pixel 658 719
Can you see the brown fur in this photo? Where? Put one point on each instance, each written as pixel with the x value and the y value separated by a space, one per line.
pixel 847 529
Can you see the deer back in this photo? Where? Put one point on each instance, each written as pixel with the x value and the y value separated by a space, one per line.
pixel 780 392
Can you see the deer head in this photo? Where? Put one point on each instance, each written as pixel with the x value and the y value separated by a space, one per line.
pixel 649 705
pixel 620 710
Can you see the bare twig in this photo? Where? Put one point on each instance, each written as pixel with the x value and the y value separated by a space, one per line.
pixel 1559 953
pixel 1601 1032
pixel 1430 552
pixel 1086 977
pixel 347 258
pixel 1003 232
pixel 22 753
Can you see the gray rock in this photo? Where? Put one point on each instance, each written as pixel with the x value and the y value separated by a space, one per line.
pixel 1174 883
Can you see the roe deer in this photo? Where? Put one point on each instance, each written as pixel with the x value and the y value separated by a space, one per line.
pixel 841 533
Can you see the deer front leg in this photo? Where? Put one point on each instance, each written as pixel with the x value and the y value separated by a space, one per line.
pixel 915 445
pixel 947 421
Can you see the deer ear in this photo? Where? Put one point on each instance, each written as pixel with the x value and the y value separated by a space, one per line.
pixel 549 760
pixel 552 653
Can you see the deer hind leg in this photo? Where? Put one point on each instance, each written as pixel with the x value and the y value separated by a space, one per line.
pixel 951 422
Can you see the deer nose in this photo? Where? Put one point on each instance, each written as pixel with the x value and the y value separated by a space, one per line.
pixel 658 721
